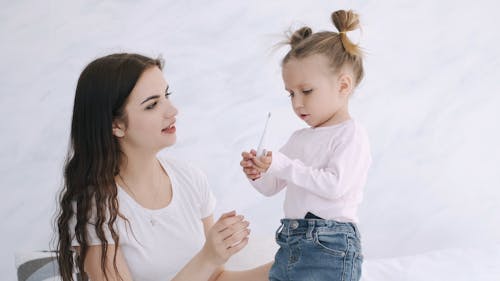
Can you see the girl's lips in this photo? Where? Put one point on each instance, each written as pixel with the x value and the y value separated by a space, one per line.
pixel 304 116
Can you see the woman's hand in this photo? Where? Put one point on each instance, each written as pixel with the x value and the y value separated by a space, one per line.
pixel 254 166
pixel 225 238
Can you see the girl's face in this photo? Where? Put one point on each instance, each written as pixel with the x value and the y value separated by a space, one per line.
pixel 318 96
pixel 150 114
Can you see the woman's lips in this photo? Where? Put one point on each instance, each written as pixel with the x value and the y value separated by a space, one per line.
pixel 304 116
pixel 169 130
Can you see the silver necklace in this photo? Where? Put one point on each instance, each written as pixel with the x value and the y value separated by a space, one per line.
pixel 152 220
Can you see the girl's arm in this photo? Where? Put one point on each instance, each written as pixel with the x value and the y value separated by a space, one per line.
pixel 267 184
pixel 350 161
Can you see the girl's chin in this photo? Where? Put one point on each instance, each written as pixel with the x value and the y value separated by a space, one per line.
pixel 310 123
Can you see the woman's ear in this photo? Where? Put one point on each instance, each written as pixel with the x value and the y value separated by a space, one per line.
pixel 345 84
pixel 118 129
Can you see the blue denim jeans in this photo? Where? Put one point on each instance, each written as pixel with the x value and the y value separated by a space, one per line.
pixel 313 249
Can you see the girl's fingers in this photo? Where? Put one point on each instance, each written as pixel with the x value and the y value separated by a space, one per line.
pixel 257 162
pixel 261 167
pixel 244 163
pixel 262 162
pixel 254 177
pixel 251 171
pixel 247 155
pixel 248 163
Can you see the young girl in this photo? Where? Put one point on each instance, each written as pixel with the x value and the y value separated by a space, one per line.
pixel 324 167
pixel 126 213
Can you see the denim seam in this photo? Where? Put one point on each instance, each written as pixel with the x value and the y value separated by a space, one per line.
pixel 353 265
pixel 344 260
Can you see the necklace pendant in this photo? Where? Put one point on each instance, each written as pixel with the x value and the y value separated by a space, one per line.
pixel 152 221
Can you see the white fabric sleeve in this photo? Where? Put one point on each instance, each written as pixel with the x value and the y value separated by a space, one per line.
pixel 331 182
pixel 92 238
pixel 208 201
pixel 267 184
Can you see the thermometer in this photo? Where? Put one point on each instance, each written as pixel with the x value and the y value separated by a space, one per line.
pixel 260 149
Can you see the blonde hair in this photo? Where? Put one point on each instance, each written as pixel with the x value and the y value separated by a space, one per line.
pixel 335 46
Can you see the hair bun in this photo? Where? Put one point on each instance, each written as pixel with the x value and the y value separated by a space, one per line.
pixel 300 35
pixel 346 21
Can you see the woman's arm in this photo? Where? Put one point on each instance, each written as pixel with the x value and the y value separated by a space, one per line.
pixel 260 273
pixel 223 239
pixel 92 264
pixel 198 268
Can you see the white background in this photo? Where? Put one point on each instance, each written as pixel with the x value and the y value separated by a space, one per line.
pixel 430 102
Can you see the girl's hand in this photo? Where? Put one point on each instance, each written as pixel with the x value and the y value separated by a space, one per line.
pixel 225 238
pixel 263 163
pixel 253 166
pixel 248 166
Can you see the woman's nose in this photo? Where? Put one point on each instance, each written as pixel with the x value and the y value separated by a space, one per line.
pixel 170 111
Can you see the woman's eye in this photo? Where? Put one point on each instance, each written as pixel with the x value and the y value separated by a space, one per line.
pixel 151 106
pixel 167 94
pixel 307 91
pixel 291 94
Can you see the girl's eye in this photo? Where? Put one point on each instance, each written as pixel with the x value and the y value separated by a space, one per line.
pixel 167 94
pixel 291 94
pixel 151 106
pixel 307 91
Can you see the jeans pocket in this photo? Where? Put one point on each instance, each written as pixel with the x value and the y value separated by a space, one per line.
pixel 333 243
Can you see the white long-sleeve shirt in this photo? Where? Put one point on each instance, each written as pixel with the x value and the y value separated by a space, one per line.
pixel 324 171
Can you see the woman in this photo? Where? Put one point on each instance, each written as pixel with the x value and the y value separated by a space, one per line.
pixel 125 213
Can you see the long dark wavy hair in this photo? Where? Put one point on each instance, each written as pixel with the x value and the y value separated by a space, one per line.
pixel 89 193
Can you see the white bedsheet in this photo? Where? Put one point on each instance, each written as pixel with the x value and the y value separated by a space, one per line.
pixel 460 264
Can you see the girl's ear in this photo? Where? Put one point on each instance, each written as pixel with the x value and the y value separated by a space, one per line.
pixel 118 129
pixel 345 84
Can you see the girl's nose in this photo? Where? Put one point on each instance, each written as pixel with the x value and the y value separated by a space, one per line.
pixel 297 102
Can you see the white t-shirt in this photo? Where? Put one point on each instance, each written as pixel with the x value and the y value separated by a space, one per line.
pixel 158 243
pixel 324 171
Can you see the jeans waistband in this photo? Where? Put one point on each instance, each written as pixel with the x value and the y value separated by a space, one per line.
pixel 304 226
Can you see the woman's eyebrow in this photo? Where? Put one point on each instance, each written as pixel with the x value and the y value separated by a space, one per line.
pixel 150 98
